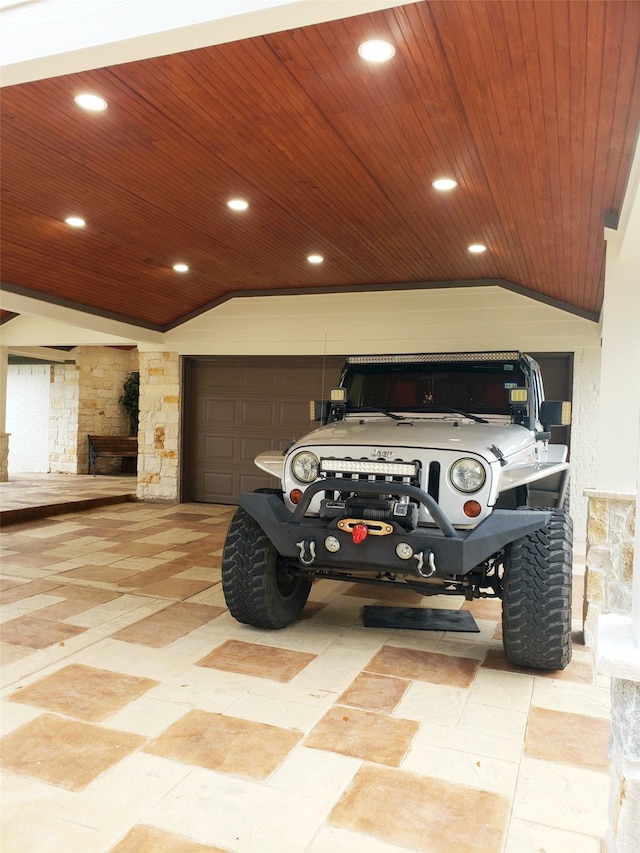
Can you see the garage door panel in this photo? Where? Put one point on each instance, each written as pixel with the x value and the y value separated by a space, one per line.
pixel 257 413
pixel 258 376
pixel 294 412
pixel 217 447
pixel 218 482
pixel 251 447
pixel 305 380
pixel 212 378
pixel 251 482
pixel 216 412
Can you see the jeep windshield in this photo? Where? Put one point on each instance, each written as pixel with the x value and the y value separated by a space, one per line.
pixel 456 386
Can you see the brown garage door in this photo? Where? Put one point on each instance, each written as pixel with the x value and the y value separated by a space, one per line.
pixel 236 408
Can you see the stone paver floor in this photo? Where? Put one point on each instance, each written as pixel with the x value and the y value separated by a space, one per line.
pixel 137 715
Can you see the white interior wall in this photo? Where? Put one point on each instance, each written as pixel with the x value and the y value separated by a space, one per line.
pixel 619 413
pixel 44 324
pixel 28 388
pixel 429 320
pixel 584 433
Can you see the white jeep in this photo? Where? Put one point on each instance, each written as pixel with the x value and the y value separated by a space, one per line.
pixel 433 471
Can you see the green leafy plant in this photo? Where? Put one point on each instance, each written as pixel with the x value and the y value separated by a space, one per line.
pixel 129 400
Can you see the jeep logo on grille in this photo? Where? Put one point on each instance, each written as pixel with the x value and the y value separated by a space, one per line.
pixel 378 453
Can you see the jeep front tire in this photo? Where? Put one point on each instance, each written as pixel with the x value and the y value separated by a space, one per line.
pixel 536 603
pixel 258 586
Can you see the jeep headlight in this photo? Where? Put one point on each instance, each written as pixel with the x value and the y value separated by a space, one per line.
pixel 305 466
pixel 467 475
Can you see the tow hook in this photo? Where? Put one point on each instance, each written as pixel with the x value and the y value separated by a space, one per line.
pixel 431 563
pixel 304 545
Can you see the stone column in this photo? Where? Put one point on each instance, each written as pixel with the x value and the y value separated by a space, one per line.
pixel 63 419
pixel 4 457
pixel 609 563
pixel 619 657
pixel 158 433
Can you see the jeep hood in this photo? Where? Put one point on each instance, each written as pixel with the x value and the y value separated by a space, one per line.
pixel 387 434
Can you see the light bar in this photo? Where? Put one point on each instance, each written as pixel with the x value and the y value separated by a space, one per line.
pixel 363 466
pixel 433 357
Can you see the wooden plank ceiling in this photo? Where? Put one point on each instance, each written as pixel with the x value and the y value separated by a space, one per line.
pixel 533 107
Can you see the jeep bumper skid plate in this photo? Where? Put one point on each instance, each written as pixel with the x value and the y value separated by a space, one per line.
pixel 450 551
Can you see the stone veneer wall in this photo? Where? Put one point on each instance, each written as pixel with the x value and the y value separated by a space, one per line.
pixel 158 434
pixel 623 835
pixel 85 400
pixel 4 456
pixel 608 626
pixel 102 372
pixel 609 561
pixel 63 419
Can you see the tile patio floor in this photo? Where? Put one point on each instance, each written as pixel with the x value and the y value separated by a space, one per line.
pixel 139 717
pixel 29 496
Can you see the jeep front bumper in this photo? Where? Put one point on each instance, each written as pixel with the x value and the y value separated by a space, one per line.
pixel 437 551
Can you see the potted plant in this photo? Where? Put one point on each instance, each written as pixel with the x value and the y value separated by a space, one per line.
pixel 129 400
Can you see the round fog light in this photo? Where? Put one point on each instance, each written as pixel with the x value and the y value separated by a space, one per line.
pixel 404 551
pixel 331 544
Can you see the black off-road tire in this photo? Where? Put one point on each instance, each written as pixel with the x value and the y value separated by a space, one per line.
pixel 536 602
pixel 258 587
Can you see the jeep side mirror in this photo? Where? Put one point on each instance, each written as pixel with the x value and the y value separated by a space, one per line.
pixel 555 413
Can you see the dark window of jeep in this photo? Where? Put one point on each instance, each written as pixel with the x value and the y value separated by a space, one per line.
pixel 473 387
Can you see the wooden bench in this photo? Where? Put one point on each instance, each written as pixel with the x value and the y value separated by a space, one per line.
pixel 111 446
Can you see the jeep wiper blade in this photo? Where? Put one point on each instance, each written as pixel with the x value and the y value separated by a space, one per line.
pixel 438 408
pixel 464 414
pixel 373 409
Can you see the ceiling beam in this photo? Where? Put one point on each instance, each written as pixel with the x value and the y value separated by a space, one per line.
pixel 82 326
pixel 40 353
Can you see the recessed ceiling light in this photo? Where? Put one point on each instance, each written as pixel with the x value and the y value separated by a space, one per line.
pixel 91 102
pixel 181 268
pixel 238 204
pixel 315 259
pixel 477 248
pixel 376 50
pixel 444 184
pixel 75 221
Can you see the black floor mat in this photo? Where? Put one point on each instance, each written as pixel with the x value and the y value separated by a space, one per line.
pixel 419 618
